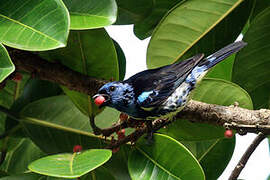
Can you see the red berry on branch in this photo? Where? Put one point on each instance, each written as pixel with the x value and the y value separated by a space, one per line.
pixel 99 100
pixel 77 148
pixel 228 133
pixel 17 77
pixel 121 134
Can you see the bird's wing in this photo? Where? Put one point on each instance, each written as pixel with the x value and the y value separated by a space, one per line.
pixel 152 87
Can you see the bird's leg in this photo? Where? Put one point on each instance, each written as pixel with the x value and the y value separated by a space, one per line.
pixel 149 135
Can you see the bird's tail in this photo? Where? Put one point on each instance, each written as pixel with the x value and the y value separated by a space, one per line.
pixel 201 69
pixel 222 54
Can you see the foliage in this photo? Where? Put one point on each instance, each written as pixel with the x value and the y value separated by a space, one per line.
pixel 53 119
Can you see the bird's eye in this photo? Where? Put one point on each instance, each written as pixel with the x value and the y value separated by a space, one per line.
pixel 112 88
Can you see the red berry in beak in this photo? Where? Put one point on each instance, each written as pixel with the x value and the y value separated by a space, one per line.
pixel 99 100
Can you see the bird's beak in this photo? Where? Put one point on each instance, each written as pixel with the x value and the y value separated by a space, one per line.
pixel 105 102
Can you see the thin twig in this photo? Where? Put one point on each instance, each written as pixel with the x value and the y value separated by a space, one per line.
pixel 133 137
pixel 241 164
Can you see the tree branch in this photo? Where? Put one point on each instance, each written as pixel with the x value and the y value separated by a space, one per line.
pixel 241 164
pixel 240 119
pixel 54 72
pixel 233 117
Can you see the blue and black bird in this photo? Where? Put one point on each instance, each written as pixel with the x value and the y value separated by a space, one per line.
pixel 164 91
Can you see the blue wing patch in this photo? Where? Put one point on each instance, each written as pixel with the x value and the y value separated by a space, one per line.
pixel 142 97
pixel 195 74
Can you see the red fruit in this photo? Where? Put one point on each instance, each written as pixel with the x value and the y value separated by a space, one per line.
pixel 121 134
pixel 122 131
pixel 17 77
pixel 99 100
pixel 77 148
pixel 228 133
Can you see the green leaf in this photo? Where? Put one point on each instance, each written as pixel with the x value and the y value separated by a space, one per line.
pixel 33 90
pixel 130 12
pixel 85 53
pixel 12 91
pixel 159 160
pixel 89 14
pixel 260 5
pixel 34 25
pixel 187 24
pixel 26 176
pixel 145 27
pixel 121 60
pixel 221 35
pixel 6 65
pixel 71 165
pixel 212 91
pixel 118 164
pixel 222 70
pixel 56 125
pixel 251 66
pixel 8 95
pixel 100 173
pixel 209 152
pixel 20 152
pixel 107 117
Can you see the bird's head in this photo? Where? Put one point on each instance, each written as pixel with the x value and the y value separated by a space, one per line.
pixel 113 94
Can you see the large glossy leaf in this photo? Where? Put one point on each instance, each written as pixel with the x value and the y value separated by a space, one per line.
pixel 8 95
pixel 20 152
pixel 90 52
pixel 130 12
pixel 223 70
pixel 187 24
pixel 209 152
pixel 34 24
pixel 56 125
pixel 12 90
pixel 33 90
pixel 251 67
pixel 165 159
pixel 145 27
pixel 71 165
pixel 26 176
pixel 259 6
pixel 100 173
pixel 118 164
pixel 89 14
pixel 221 35
pixel 32 176
pixel 6 65
pixel 107 118
pixel 213 91
pixel 121 60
